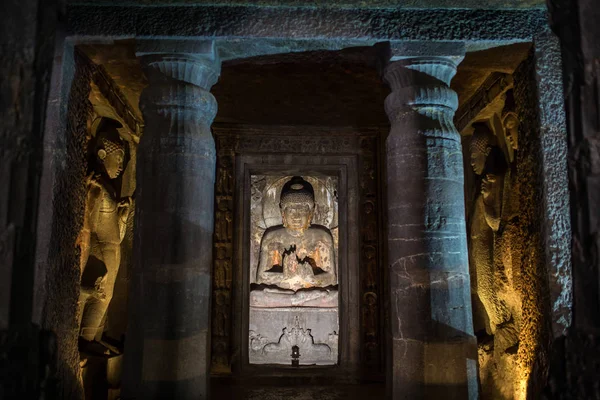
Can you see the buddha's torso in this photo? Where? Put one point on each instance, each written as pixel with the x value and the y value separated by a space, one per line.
pixel 108 228
pixel 303 259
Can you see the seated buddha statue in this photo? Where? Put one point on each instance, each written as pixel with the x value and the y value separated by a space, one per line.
pixel 297 264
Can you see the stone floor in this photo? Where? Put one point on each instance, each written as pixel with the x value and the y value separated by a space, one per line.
pixel 303 392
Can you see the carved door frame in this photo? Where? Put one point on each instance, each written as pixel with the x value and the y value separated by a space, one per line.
pixel 353 155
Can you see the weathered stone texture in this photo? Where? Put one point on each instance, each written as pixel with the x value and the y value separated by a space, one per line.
pixel 63 272
pixel 26 46
pixel 489 4
pixel 555 207
pixel 575 367
pixel 535 331
pixel 214 21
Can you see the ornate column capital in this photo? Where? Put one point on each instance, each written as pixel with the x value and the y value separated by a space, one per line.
pixel 179 52
pixel 180 74
pixel 421 84
pixel 404 71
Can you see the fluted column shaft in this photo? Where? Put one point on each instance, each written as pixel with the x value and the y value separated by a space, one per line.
pixel 167 346
pixel 434 350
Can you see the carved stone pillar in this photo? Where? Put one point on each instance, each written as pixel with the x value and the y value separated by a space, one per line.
pixel 167 346
pixel 434 350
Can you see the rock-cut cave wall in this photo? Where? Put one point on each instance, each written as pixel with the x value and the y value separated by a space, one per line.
pixel 533 283
pixel 63 275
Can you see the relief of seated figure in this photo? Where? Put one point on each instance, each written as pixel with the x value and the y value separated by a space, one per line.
pixel 297 264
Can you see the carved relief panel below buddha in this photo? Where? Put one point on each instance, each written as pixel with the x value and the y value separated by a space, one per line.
pixel 293 270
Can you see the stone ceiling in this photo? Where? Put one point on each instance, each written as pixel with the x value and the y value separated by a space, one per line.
pixel 358 4
pixel 338 88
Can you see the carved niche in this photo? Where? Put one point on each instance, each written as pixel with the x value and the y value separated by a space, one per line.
pixel 106 240
pixel 293 268
pixel 235 140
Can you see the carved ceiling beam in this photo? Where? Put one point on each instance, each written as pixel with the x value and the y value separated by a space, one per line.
pixel 486 101
pixel 117 100
pixel 109 101
pixel 224 22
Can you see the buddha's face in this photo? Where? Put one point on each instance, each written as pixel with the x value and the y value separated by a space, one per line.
pixel 113 162
pixel 297 216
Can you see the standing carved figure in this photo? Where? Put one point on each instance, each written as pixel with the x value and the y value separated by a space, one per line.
pixel 508 247
pixel 508 242
pixel 487 162
pixel 103 231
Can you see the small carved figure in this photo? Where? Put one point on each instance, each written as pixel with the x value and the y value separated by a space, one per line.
pixel 220 358
pixel 103 230
pixel 370 261
pixel 508 246
pixel 222 315
pixel 220 274
pixel 224 175
pixel 370 229
pixel 229 225
pixel 297 255
pixel 510 207
pixel 370 314
pixel 257 341
pixel 511 126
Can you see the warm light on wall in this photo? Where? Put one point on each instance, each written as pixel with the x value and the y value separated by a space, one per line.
pixel 521 392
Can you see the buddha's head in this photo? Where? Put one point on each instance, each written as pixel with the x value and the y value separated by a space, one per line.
pixel 481 145
pixel 110 149
pixel 297 204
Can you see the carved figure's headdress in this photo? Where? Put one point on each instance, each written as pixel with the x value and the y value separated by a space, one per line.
pixel 108 138
pixel 296 191
pixel 485 141
pixel 482 137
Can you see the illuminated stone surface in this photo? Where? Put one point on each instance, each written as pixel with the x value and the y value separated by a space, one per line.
pixel 294 294
pixel 103 230
pixel 433 347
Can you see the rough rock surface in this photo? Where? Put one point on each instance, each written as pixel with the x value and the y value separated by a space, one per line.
pixel 26 44
pixel 225 22
pixel 575 367
pixel 556 223
pixel 63 272
pixel 490 4
pixel 514 362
